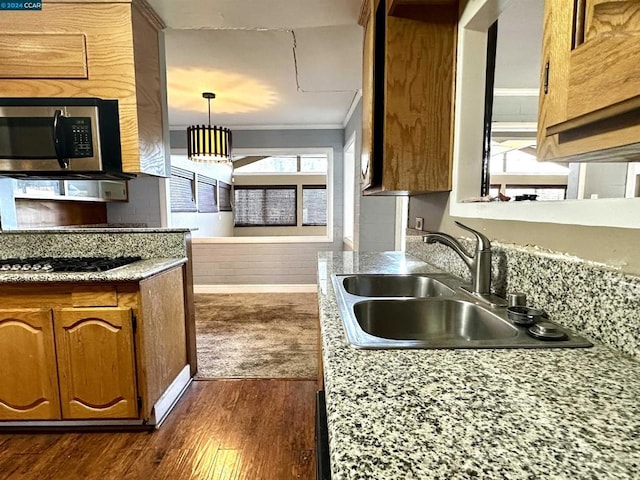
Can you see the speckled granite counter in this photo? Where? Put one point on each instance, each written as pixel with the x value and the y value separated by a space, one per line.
pixel 159 248
pixel 133 272
pixel 95 242
pixel 461 414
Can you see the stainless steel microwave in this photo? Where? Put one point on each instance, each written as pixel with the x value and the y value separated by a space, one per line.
pixel 60 138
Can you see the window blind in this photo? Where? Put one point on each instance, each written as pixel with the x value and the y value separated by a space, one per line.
pixel 207 199
pixel 182 190
pixel 314 205
pixel 265 206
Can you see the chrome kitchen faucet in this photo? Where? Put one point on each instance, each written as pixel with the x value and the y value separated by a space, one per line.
pixel 479 264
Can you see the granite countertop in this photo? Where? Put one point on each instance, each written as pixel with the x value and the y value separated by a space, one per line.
pixel 99 229
pixel 132 272
pixel 461 414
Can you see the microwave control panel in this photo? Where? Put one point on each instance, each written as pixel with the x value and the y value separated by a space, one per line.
pixel 80 138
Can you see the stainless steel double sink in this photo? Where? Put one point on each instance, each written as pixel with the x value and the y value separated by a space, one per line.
pixel 381 311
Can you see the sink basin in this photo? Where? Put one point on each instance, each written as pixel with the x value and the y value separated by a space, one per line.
pixel 418 286
pixel 437 320
pixel 434 312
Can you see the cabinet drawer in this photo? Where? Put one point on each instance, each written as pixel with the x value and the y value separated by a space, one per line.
pixel 94 296
pixel 60 295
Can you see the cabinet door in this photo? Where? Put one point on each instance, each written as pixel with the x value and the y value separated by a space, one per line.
pixel 28 378
pixel 605 61
pixel 407 97
pixel 96 362
pixel 590 88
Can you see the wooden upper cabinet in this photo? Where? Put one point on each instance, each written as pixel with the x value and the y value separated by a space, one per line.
pixel 590 81
pixel 394 5
pixel 96 362
pixel 607 39
pixel 29 378
pixel 408 94
pixel 98 49
pixel 366 174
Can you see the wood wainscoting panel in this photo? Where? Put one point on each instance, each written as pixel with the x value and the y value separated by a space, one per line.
pixel 256 263
pixel 29 387
pixel 43 55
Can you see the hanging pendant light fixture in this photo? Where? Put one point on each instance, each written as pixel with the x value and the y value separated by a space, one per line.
pixel 207 143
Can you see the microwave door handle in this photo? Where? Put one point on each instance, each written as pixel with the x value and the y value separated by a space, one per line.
pixel 58 139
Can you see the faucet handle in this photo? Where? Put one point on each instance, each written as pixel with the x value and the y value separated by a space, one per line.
pixel 483 242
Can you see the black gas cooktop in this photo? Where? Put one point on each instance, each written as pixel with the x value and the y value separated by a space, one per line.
pixel 64 264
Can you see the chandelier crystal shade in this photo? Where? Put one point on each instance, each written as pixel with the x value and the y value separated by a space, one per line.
pixel 209 143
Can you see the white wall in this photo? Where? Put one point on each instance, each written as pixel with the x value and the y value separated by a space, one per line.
pixel 375 217
pixel 349 191
pixel 269 263
pixel 218 224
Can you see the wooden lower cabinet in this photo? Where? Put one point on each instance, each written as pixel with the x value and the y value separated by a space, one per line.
pixel 93 374
pixel 91 351
pixel 96 362
pixel 28 371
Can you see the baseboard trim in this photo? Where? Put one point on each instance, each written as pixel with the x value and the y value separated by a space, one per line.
pixel 263 288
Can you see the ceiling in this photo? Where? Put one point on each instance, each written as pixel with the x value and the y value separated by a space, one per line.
pixel 271 63
pixel 518 60
pixel 297 63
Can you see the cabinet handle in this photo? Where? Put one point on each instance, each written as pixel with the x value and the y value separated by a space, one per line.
pixel 546 78
pixel 579 23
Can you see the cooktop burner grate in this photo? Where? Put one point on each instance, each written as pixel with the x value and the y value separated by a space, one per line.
pixel 64 264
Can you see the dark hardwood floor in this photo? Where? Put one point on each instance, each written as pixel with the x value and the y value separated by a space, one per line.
pixel 220 430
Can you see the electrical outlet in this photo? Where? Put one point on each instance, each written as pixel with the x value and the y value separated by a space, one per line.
pixel 419 223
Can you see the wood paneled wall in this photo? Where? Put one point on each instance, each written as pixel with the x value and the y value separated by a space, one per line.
pixel 256 263
pixel 51 213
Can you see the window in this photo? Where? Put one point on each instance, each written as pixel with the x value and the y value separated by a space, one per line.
pixel 309 163
pixel 265 206
pixel 314 205
pixel 275 164
pixel 519 156
pixel 313 163
pixel 516 172
pixel 182 190
pixel 302 179
pixel 207 198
